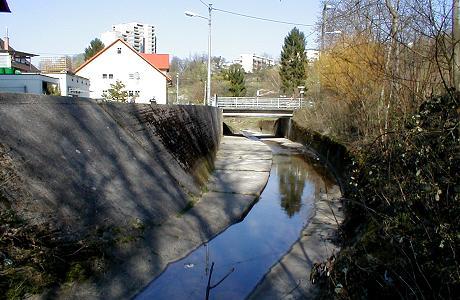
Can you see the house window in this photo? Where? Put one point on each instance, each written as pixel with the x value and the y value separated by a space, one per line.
pixel 134 76
pixel 119 50
pixel 104 76
pixel 110 76
pixel 130 93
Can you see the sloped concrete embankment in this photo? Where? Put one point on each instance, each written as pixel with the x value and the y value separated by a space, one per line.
pixel 78 167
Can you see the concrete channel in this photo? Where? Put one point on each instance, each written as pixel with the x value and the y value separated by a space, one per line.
pixel 269 254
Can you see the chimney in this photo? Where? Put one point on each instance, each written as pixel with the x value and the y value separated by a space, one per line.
pixel 6 42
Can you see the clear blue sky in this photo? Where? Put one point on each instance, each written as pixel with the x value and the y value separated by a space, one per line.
pixel 66 27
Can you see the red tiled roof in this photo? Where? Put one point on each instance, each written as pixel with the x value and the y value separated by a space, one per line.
pixel 161 61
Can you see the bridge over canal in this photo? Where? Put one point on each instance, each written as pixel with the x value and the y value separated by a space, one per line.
pixel 261 107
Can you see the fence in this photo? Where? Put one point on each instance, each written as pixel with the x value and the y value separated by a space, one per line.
pixel 258 103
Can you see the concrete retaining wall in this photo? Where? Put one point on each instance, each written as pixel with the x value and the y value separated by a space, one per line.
pixel 76 164
pixel 333 154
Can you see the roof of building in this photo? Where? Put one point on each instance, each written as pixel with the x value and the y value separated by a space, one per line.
pixel 25 67
pixel 4 6
pixel 11 49
pixel 127 45
pixel 161 61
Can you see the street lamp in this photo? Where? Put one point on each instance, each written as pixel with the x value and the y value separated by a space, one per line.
pixel 177 88
pixel 192 14
pixel 326 7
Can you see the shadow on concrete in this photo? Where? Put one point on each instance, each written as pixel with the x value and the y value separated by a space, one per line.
pixel 85 167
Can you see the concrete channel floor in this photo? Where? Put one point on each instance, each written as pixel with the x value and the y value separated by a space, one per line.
pixel 289 278
pixel 242 168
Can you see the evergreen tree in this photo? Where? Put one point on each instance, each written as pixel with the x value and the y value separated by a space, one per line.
pixel 235 75
pixel 95 46
pixel 293 61
pixel 116 92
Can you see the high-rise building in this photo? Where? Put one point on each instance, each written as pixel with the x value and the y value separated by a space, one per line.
pixel 139 36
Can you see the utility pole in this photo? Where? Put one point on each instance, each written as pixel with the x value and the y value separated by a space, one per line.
pixel 177 88
pixel 209 56
pixel 207 93
pixel 456 43
pixel 323 29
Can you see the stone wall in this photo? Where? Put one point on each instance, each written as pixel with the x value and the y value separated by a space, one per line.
pixel 77 165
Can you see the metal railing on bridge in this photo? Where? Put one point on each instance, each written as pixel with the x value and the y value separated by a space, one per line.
pixel 259 103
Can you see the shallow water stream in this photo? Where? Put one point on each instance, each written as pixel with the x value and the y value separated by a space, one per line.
pixel 244 252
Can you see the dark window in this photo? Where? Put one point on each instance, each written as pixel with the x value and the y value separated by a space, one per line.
pixel 104 76
pixel 110 76
pixel 119 50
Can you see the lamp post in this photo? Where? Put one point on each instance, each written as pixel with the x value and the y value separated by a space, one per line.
pixel 177 88
pixel 192 14
pixel 326 7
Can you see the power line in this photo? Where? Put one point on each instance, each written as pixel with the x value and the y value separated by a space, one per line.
pixel 261 19
pixel 204 3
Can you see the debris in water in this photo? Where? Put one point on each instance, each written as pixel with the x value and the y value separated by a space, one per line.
pixel 188 266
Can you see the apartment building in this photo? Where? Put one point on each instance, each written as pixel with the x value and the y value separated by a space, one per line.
pixel 252 62
pixel 140 36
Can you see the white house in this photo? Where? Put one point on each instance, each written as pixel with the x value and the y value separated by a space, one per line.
pixel 143 81
pixel 29 83
pixel 35 83
pixel 71 85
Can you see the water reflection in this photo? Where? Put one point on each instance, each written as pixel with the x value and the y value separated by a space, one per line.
pixel 245 251
pixel 292 178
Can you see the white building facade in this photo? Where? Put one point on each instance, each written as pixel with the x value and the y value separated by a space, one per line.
pixel 120 62
pixel 252 62
pixel 27 83
pixel 33 83
pixel 312 55
pixel 140 36
pixel 71 85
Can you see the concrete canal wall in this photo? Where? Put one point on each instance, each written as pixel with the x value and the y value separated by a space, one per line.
pixel 76 164
pixel 333 154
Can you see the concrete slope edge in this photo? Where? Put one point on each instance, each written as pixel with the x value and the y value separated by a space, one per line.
pixel 228 199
